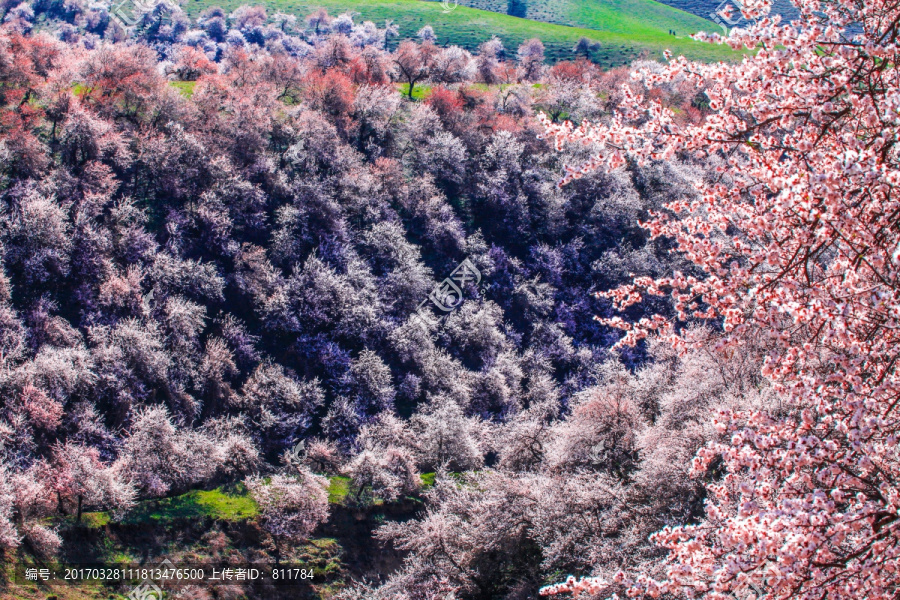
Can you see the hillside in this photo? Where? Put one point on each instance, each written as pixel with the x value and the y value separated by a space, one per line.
pixel 206 530
pixel 682 16
pixel 215 305
pixel 626 29
pixel 619 16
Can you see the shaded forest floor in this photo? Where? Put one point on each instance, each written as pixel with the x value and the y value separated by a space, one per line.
pixel 212 528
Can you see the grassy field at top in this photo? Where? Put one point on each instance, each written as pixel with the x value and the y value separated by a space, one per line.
pixel 626 29
pixel 605 15
pixel 684 16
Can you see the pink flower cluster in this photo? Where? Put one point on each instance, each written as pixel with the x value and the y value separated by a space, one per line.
pixel 588 585
pixel 796 235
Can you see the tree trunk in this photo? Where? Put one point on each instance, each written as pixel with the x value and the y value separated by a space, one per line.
pixel 78 518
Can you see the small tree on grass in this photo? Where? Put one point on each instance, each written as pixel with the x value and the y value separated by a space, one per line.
pixel 488 61
pixel 387 473
pixel 81 478
pixel 414 63
pixel 531 60
pixel 32 506
pixel 585 47
pixel 322 456
pixel 291 506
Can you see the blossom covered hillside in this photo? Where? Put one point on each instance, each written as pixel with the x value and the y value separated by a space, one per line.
pixel 222 275
pixel 429 323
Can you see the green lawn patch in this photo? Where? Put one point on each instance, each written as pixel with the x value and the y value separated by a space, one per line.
pixel 95 520
pixel 338 488
pixel 323 555
pixel 427 480
pixel 420 91
pixel 232 505
pixel 185 88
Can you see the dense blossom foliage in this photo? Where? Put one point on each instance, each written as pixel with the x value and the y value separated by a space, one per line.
pixel 577 492
pixel 794 245
pixel 220 239
pixel 291 505
pixel 216 243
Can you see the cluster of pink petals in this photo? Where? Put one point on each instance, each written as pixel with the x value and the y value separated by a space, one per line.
pixel 798 241
pixel 587 585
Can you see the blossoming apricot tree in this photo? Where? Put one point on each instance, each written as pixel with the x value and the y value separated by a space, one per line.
pixel 796 241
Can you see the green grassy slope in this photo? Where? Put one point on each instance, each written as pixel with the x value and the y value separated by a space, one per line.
pixel 626 29
pixel 205 528
pixel 621 16
pixel 572 12
pixel 219 504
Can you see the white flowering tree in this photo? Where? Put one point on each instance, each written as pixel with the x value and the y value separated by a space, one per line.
pixel 291 505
